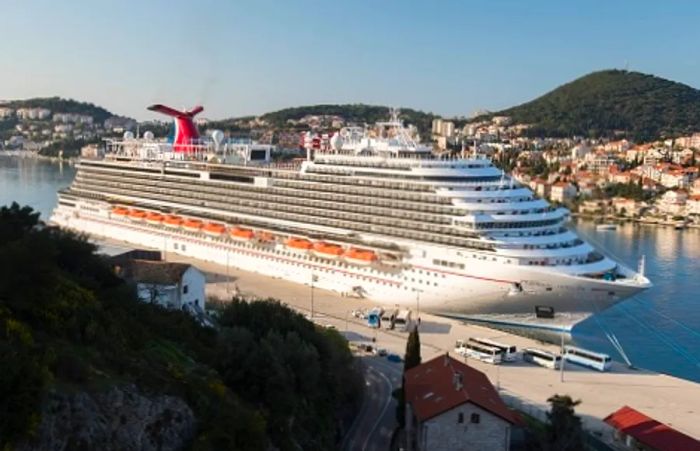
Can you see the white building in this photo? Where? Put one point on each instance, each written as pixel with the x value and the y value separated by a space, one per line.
pixel 33 113
pixel 171 285
pixel 451 406
pixel 673 202
pixel 562 192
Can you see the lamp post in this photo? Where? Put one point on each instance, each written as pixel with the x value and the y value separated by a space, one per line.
pixel 418 292
pixel 228 276
pixel 561 364
pixel 314 278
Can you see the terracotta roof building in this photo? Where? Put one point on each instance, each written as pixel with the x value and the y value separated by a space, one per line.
pixel 639 432
pixel 452 406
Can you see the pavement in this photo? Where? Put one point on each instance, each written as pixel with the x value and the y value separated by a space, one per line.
pixel 670 400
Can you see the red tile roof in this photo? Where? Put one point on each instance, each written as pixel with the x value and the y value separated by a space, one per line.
pixel 430 389
pixel 650 432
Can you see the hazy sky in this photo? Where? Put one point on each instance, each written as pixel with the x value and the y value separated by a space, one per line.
pixel 241 57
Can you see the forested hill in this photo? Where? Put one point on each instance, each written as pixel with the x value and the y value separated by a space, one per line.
pixel 60 105
pixel 357 112
pixel 86 365
pixel 608 102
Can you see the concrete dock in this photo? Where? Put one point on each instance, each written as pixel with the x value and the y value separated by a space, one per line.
pixel 668 399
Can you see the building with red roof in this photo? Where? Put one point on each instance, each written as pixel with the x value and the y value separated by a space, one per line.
pixel 637 431
pixel 452 406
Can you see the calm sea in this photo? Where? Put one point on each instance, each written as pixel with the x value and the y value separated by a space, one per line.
pixel 658 330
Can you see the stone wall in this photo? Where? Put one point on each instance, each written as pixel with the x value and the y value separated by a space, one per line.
pixel 444 432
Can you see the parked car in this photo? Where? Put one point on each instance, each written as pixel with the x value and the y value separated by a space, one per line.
pixel 394 358
pixel 382 352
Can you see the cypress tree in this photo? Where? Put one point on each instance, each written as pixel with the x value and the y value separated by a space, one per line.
pixel 411 359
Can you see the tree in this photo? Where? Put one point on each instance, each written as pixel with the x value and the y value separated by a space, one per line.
pixel 411 359
pixel 564 431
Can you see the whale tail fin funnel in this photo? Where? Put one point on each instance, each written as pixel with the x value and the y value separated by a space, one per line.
pixel 185 135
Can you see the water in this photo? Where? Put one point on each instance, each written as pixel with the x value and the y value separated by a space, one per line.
pixel 33 182
pixel 658 329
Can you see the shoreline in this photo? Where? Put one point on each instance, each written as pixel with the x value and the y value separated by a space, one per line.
pixel 34 155
pixel 622 220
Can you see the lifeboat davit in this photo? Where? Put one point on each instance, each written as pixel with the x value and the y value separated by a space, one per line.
pixel 360 256
pixel 172 221
pixel 327 250
pixel 299 244
pixel 265 237
pixel 214 229
pixel 120 211
pixel 137 215
pixel 154 218
pixel 192 225
pixel 241 234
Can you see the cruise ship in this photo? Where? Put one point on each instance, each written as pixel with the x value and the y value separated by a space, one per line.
pixel 367 213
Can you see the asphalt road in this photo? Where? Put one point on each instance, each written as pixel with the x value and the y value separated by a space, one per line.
pixel 375 423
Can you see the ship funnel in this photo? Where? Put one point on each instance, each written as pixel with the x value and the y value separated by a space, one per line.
pixel 185 136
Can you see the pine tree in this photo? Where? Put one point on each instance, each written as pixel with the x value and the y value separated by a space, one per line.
pixel 564 432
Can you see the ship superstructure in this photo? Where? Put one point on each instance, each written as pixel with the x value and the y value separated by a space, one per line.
pixel 374 215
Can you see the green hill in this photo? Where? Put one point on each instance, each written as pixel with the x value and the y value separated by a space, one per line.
pixel 85 365
pixel 612 103
pixel 356 113
pixel 59 105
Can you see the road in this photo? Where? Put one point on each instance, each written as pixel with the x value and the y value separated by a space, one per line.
pixel 375 423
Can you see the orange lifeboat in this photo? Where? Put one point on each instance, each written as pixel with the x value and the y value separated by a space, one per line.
pixel 192 225
pixel 299 244
pixel 120 211
pixel 137 215
pixel 154 218
pixel 172 221
pixel 214 229
pixel 265 237
pixel 241 234
pixel 360 256
pixel 327 250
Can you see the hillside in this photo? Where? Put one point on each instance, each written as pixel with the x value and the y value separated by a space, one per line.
pixel 59 105
pixel 354 113
pixel 612 102
pixel 85 365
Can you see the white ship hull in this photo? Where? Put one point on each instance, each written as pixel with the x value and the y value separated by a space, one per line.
pixel 482 287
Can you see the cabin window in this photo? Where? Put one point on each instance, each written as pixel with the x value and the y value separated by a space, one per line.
pixel 460 418
pixel 185 289
pixel 475 418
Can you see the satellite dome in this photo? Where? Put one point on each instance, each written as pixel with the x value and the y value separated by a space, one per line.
pixel 148 135
pixel 336 142
pixel 128 136
pixel 218 137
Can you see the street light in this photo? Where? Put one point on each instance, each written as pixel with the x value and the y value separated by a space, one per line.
pixel 314 278
pixel 561 364
pixel 418 292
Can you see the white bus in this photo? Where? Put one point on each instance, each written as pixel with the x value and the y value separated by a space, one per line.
pixel 485 353
pixel 403 321
pixel 596 360
pixel 508 352
pixel 542 358
pixel 389 317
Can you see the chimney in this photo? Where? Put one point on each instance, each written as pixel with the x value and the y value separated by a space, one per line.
pixel 457 381
pixel 446 359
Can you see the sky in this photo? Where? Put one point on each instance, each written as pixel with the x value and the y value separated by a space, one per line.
pixel 240 57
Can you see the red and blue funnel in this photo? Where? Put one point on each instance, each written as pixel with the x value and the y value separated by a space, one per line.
pixel 185 136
